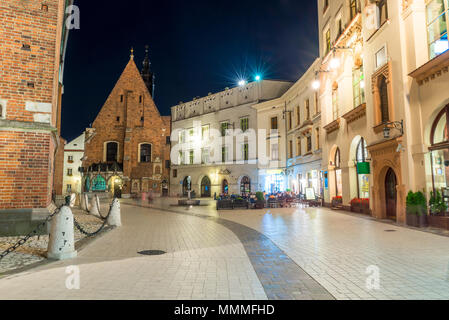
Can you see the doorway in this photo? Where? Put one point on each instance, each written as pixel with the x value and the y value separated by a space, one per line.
pixel 186 185
pixel 225 187
pixel 391 194
pixel 205 187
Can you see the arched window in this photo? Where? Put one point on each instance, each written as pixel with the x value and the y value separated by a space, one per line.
pixel 245 186
pixel 338 177
pixel 337 161
pixel 439 152
pixel 99 183
pixel 112 152
pixel 145 152
pixel 363 170
pixel 383 92
pixel 362 152
pixel 186 185
pixel 225 187
pixel 205 187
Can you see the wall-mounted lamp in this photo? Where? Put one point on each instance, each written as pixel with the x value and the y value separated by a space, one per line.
pixel 398 125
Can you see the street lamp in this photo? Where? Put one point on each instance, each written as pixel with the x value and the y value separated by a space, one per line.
pixel 398 125
pixel 316 84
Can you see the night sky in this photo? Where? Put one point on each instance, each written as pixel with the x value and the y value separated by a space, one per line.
pixel 196 47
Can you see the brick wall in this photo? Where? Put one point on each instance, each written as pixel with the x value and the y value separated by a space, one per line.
pixel 130 117
pixel 30 43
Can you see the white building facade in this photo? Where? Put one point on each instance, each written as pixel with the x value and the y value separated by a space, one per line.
pixel 73 154
pixel 215 141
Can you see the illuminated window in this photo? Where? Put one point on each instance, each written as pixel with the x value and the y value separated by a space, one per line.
pixel 274 123
pixel 437 12
pixel 358 85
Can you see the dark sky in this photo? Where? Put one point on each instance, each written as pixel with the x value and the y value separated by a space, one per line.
pixel 196 47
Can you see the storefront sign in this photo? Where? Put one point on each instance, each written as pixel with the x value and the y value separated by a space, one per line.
pixel 363 168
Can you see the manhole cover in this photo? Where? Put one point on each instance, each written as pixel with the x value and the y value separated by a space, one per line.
pixel 152 252
pixel 391 230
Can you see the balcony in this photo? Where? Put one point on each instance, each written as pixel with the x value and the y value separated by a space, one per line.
pixel 355 114
pixel 333 126
pixel 432 69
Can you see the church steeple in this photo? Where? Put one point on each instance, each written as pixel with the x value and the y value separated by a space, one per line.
pixel 147 75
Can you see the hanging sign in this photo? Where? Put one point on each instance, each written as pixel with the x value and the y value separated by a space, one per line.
pixel 363 168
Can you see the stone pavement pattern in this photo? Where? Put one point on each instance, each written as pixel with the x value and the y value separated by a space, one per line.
pixel 204 260
pixel 337 250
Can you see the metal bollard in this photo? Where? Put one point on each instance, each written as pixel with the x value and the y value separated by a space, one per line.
pixel 61 245
pixel 94 208
pixel 115 216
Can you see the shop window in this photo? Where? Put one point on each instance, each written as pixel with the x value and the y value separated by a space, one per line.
pixel 362 170
pixel 338 176
pixel 439 153
pixel 358 85
pixel 99 183
pixel 437 12
pixel 245 186
pixel 145 152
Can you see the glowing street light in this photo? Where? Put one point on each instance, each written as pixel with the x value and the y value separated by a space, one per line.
pixel 316 84
pixel 242 83
pixel 258 78
pixel 335 63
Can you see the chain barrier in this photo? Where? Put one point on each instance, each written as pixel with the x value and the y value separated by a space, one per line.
pixel 91 234
pixel 22 241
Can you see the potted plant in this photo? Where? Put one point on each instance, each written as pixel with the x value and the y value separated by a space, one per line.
pixel 438 208
pixel 260 202
pixel 337 201
pixel 421 209
pixel 411 209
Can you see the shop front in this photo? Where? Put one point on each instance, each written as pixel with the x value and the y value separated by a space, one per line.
pixel 388 191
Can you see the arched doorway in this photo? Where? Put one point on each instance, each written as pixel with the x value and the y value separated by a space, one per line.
pixel 391 194
pixel 186 185
pixel 225 187
pixel 245 186
pixel 115 186
pixel 205 187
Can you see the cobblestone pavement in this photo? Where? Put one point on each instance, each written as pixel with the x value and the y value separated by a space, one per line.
pixel 209 258
pixel 204 260
pixel 35 249
pixel 342 251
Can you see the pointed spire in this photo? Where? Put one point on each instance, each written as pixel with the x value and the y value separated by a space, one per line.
pixel 147 75
pixel 132 54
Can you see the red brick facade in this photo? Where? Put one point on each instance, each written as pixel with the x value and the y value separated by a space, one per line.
pixel 30 51
pixel 130 118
